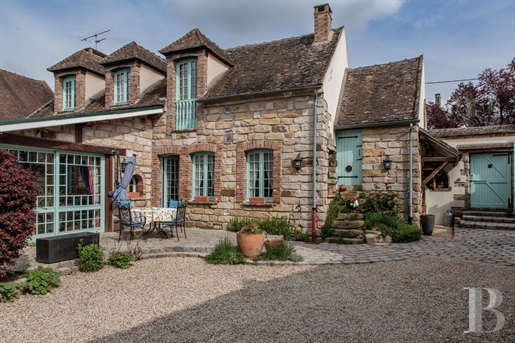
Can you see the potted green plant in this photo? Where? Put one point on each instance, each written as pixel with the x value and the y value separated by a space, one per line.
pixel 370 237
pixel 250 240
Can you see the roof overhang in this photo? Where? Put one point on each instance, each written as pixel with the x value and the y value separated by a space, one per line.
pixel 377 124
pixel 76 118
pixel 447 153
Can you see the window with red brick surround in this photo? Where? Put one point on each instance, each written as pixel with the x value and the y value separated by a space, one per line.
pixel 241 167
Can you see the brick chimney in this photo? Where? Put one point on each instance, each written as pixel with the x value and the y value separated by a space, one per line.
pixel 323 23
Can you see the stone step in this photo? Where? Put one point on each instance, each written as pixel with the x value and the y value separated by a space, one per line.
pixel 348 233
pixel 472 218
pixel 486 225
pixel 483 213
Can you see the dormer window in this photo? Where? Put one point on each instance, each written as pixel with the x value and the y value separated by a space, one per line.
pixel 69 93
pixel 122 86
pixel 186 102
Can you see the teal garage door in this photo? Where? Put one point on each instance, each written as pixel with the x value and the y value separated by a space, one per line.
pixel 490 180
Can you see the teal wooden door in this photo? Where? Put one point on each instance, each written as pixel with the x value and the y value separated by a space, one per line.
pixel 490 180
pixel 349 145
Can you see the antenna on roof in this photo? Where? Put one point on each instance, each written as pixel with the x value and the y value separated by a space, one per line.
pixel 96 38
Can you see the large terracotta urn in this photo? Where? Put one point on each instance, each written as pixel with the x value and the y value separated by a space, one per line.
pixel 251 244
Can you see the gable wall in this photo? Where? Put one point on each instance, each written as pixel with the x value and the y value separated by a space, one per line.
pixel 94 84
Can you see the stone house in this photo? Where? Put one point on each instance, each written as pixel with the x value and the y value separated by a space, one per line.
pixel 484 177
pixel 270 129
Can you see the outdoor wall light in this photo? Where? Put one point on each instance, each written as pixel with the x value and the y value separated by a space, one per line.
pixel 298 162
pixel 387 163
pixel 123 165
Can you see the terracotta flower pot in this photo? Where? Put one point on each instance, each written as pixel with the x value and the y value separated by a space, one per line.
pixel 201 198
pixel 250 245
pixel 257 200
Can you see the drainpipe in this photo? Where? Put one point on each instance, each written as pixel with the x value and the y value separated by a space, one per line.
pixel 314 213
pixel 410 198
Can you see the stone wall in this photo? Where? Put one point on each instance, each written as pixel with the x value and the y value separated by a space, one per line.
pixel 393 142
pixel 283 124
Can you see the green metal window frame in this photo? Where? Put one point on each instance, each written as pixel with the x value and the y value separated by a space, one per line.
pixel 121 80
pixel 260 174
pixel 69 97
pixel 63 203
pixel 170 178
pixel 204 174
pixel 186 94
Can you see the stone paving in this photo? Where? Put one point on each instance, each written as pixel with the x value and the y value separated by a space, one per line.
pixel 491 246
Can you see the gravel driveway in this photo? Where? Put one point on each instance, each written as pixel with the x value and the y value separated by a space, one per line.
pixel 186 300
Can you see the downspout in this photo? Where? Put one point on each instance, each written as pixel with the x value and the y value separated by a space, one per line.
pixel 314 212
pixel 410 197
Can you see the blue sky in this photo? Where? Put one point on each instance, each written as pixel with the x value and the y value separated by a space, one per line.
pixel 459 39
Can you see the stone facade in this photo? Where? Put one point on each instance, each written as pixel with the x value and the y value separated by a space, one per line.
pixel 393 142
pixel 283 124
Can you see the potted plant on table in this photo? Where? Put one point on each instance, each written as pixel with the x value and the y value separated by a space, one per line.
pixel 250 240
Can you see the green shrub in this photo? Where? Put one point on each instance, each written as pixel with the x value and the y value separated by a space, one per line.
pixel 379 202
pixel 281 252
pixel 393 226
pixel 236 224
pixel 119 259
pixel 9 291
pixel 225 253
pixel 335 207
pixel 91 257
pixel 41 281
pixel 406 233
pixel 275 225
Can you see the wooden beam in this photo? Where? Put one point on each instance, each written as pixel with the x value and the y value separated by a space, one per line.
pixel 8 138
pixel 436 171
pixel 437 159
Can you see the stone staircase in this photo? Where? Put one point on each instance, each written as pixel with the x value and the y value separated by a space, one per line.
pixel 484 219
pixel 347 229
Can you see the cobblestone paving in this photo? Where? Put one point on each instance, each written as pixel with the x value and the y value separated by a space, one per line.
pixel 492 246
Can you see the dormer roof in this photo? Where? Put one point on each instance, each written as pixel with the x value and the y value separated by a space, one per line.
pixel 194 40
pixel 20 96
pixel 381 93
pixel 89 59
pixel 134 51
pixel 285 64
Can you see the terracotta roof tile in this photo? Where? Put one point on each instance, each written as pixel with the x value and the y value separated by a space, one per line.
pixel 154 95
pixel 20 96
pixel 135 51
pixel 274 66
pixel 381 93
pixel 89 59
pixel 195 40
pixel 480 130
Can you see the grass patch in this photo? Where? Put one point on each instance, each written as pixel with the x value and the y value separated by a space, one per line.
pixel 225 253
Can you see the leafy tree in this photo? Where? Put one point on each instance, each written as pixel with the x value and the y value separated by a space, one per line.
pixel 18 195
pixel 491 101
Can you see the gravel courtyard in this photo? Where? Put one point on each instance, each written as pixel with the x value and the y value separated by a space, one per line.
pixel 187 300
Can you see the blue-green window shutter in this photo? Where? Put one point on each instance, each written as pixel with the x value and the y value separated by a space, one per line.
pixel 69 93
pixel 260 174
pixel 186 94
pixel 203 174
pixel 121 86
pixel 349 155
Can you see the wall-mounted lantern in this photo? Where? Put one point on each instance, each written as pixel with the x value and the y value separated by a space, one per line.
pixel 387 163
pixel 123 165
pixel 298 162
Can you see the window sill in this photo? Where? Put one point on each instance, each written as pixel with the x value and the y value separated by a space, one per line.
pixel 442 189
pixel 193 202
pixel 248 204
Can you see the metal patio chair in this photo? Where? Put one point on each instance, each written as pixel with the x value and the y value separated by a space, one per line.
pixel 126 220
pixel 180 220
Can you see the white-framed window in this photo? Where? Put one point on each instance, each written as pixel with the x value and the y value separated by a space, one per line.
pixel 186 100
pixel 122 86
pixel 170 178
pixel 204 174
pixel 260 170
pixel 69 93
